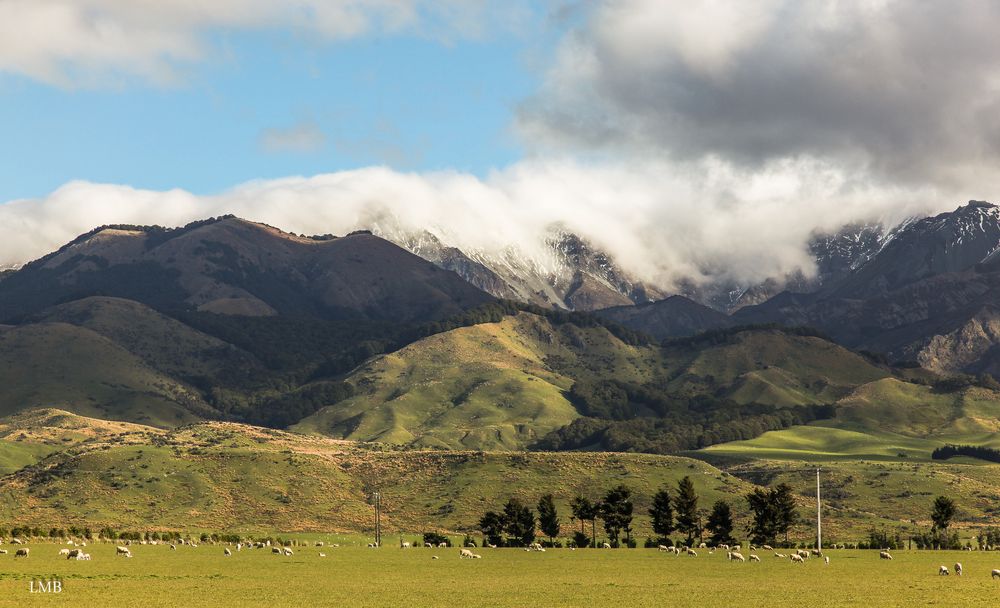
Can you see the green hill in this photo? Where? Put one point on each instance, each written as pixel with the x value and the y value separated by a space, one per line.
pixel 61 365
pixel 885 420
pixel 224 476
pixel 512 384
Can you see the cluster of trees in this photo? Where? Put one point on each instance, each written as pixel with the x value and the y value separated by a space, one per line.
pixel 615 510
pixel 975 451
pixel 680 513
pixel 627 418
pixel 938 537
pixel 772 513
pixel 727 335
pixel 514 525
pixel 36 532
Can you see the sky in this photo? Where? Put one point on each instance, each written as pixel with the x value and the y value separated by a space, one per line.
pixel 692 139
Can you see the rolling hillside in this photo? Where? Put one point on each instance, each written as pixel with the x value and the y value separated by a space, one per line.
pixel 506 385
pixel 223 476
pixel 884 420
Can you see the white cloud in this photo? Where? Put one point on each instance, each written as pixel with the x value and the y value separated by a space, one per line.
pixel 89 42
pixel 661 221
pixel 891 89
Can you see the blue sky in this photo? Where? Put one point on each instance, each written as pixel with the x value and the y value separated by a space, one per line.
pixel 682 137
pixel 270 105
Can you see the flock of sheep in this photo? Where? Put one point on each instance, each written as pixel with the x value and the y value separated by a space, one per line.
pixel 732 552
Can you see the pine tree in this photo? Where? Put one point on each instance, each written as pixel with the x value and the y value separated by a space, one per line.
pixel 720 523
pixel 548 518
pixel 784 509
pixel 662 514
pixel 492 526
pixel 686 509
pixel 519 523
pixel 616 511
pixel 944 510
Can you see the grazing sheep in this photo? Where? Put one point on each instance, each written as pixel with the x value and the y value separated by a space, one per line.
pixel 288 551
pixel 476 556
pixel 797 559
pixel 173 547
pixel 754 558
pixel 444 545
pixel 995 573
pixel 492 546
pixel 465 554
pixel 434 557
pixel 662 548
pixel 63 552
pixel 275 551
pixel 884 555
pixel 817 552
pixel 691 552
pixel 16 541
pixel 319 543
pixel 428 546
pixel 83 557
pixel 227 552
pixel 21 553
pixel 767 548
pixel 958 569
pixel 703 546
pixel 826 560
pixel 404 545
pixel 322 554
pixel 606 545
pixel 74 554
pixel 3 552
pixel 943 571
pixel 780 555
pixel 123 551
pixel 736 556
pixel 373 545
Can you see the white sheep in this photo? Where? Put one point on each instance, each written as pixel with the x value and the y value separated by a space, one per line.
pixel 826 560
pixel 227 552
pixel 958 569
pixel 465 554
pixel 995 573
pixel 754 558
pixel 943 571
pixel 797 559
pixel 884 555
pixel 736 556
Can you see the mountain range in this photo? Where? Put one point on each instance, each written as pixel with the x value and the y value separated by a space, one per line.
pixel 356 337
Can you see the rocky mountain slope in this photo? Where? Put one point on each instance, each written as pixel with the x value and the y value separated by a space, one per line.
pixel 927 296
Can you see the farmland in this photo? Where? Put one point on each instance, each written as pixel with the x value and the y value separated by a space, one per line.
pixel 353 575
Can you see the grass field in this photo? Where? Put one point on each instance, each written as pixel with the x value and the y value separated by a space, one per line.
pixel 357 576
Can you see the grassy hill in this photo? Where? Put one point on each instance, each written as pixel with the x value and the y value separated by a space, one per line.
pixel 489 386
pixel 884 420
pixel 227 476
pixel 505 385
pixel 73 368
pixel 224 476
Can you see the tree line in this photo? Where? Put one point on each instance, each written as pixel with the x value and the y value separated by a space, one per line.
pixel 672 510
pixel 974 451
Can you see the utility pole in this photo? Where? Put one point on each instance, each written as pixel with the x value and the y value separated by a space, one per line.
pixel 819 516
pixel 377 499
